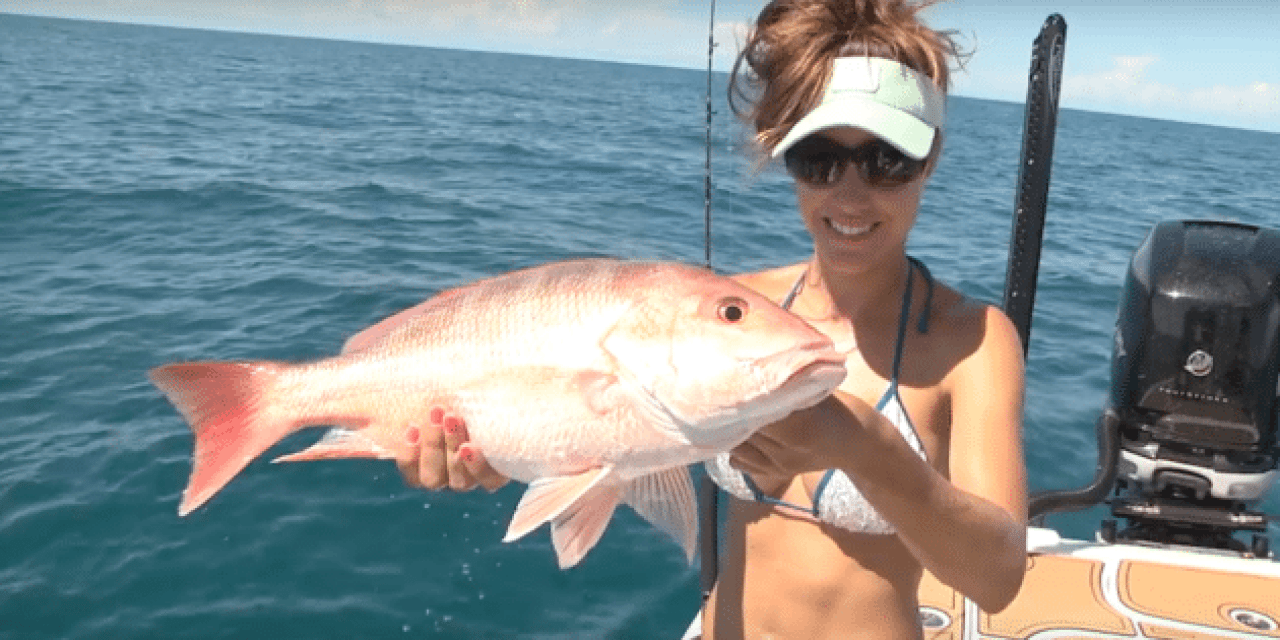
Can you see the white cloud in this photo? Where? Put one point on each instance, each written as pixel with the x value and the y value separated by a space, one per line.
pixel 1259 98
pixel 647 31
pixel 1126 85
pixel 653 31
pixel 730 36
pixel 524 17
pixel 665 32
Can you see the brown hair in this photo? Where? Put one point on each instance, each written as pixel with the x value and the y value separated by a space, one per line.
pixel 782 70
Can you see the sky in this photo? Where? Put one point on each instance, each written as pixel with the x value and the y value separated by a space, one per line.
pixel 1211 62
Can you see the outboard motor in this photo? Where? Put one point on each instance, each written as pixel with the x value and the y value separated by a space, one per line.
pixel 1194 385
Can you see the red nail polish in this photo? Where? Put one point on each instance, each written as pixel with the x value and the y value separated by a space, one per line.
pixel 437 415
pixel 413 435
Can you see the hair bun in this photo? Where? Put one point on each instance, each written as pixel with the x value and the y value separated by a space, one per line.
pixel 784 65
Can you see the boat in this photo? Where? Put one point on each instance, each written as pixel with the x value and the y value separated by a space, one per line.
pixel 1187 438
pixel 1098 589
pixel 1187 444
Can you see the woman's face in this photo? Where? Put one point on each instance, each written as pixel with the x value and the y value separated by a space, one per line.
pixel 856 226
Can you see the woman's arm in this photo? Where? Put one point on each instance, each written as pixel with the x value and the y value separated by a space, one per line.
pixel 969 531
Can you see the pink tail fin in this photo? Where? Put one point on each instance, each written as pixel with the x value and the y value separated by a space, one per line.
pixel 224 403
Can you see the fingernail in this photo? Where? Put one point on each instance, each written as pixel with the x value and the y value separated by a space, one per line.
pixel 451 425
pixel 467 455
pixel 437 415
pixel 412 434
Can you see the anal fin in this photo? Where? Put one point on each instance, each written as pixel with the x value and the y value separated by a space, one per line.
pixel 340 443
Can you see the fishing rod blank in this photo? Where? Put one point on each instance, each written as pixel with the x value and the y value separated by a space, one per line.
pixel 1031 199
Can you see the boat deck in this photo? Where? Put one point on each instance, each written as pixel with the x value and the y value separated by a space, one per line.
pixel 1076 589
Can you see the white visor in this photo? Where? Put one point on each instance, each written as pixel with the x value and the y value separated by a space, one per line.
pixel 884 97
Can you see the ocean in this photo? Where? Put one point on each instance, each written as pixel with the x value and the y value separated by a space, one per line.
pixel 171 194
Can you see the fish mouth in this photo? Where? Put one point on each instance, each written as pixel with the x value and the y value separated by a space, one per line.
pixel 827 371
pixel 818 367
pixel 784 382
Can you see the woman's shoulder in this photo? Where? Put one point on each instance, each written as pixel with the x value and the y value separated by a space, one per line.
pixel 772 283
pixel 961 311
pixel 980 331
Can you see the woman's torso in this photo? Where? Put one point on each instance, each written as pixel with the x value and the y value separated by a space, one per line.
pixel 782 576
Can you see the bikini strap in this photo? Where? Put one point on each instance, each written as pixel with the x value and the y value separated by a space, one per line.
pixel 795 290
pixel 923 326
pixel 761 496
pixel 903 316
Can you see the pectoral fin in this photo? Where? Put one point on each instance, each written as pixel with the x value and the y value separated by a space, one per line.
pixel 601 391
pixel 666 500
pixel 547 498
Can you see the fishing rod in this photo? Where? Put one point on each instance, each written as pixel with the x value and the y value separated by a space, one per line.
pixel 1031 199
pixel 706 197
pixel 1030 206
pixel 708 493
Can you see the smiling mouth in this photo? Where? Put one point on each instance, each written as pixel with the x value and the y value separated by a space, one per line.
pixel 851 231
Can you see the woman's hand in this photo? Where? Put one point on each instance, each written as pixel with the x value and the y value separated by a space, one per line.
pixel 446 458
pixel 807 440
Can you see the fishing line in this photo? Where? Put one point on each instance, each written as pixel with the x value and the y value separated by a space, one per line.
pixel 706 197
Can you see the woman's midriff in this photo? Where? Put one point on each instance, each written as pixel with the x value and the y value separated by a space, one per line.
pixel 809 581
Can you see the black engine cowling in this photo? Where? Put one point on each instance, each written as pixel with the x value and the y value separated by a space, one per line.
pixel 1196 357
pixel 1194 374
pixel 1187 441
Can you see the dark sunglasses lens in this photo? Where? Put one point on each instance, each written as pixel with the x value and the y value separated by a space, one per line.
pixel 883 165
pixel 820 162
pixel 815 165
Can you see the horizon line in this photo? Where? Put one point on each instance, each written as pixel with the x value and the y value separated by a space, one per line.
pixel 569 57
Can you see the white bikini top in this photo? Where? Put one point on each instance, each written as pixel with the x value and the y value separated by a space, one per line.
pixel 836 501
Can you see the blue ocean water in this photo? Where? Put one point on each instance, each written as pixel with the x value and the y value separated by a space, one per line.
pixel 175 194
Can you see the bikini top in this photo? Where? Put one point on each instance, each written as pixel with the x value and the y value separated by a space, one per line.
pixel 836 501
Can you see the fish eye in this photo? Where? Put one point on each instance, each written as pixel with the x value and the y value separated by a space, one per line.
pixel 732 309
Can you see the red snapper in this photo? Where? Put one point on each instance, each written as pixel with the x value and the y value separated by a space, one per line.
pixel 595 381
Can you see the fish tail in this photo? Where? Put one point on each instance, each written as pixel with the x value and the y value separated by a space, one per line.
pixel 226 405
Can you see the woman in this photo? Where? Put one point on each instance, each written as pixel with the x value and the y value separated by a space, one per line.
pixel 915 462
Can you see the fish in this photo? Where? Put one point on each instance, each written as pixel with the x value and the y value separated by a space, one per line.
pixel 594 381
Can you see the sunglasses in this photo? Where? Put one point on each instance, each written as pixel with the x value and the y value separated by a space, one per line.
pixel 819 162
